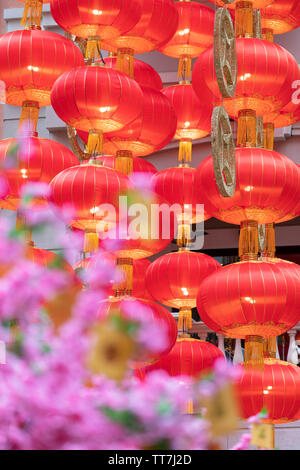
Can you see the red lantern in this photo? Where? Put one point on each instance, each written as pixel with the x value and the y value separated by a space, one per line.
pixel 194 35
pixel 143 73
pixel 156 26
pixel 280 17
pixel 60 307
pixel 32 12
pixel 96 20
pixel 267 188
pixel 88 187
pixel 38 160
pixel 31 61
pixel 266 73
pixel 157 312
pixel 276 388
pixel 189 357
pixel 151 131
pixel 156 232
pixel 177 185
pixel 174 280
pixel 193 116
pixel 251 298
pixel 81 102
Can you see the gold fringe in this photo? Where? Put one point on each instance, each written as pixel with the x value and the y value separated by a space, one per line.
pixel 185 67
pixel 269 249
pixel 248 241
pixel 91 242
pixel 183 235
pixel 268 35
pixel 124 162
pixel 185 319
pixel 270 346
pixel 269 136
pixel 29 114
pixel 246 129
pixel 254 352
pixel 32 15
pixel 126 266
pixel 185 150
pixel 125 61
pixel 244 20
pixel 93 48
pixel 95 143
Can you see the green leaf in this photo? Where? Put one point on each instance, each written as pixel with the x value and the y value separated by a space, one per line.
pixel 124 417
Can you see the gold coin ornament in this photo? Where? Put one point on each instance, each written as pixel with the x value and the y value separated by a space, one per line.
pixel 223 152
pixel 225 56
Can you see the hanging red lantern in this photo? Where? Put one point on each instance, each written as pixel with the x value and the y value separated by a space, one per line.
pixel 266 73
pixel 156 26
pixel 193 116
pixel 37 160
pixel 81 102
pixel 174 280
pixel 32 12
pixel 156 231
pixel 276 388
pixel 60 307
pixel 157 312
pixel 189 357
pixel 280 17
pixel 251 300
pixel 194 35
pixel 178 186
pixel 267 190
pixel 88 187
pixel 151 131
pixel 143 73
pixel 96 20
pixel 31 61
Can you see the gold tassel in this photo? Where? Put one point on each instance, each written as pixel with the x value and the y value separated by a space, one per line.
pixel 269 136
pixel 32 15
pixel 248 241
pixel 124 162
pixel 185 319
pixel 268 35
pixel 91 242
pixel 254 352
pixel 93 48
pixel 270 346
pixel 29 114
pixel 95 142
pixel 185 67
pixel 183 235
pixel 125 61
pixel 126 266
pixel 269 242
pixel 244 20
pixel 185 150
pixel 246 129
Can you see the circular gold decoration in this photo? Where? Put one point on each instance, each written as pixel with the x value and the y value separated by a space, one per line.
pixel 225 57
pixel 223 152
